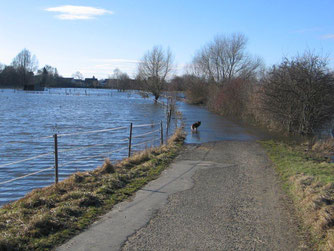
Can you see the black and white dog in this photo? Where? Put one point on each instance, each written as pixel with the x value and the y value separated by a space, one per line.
pixel 195 126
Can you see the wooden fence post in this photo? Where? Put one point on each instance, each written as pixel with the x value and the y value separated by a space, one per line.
pixel 169 115
pixel 130 139
pixel 56 157
pixel 161 134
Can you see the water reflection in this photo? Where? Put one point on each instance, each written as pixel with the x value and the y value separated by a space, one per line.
pixel 196 135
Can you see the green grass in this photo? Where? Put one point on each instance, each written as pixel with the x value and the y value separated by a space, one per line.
pixel 290 161
pixel 48 217
pixel 310 182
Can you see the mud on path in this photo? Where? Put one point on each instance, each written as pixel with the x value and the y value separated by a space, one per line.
pixel 235 203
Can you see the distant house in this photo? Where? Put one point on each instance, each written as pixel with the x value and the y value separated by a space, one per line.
pixel 103 82
pixel 91 82
pixel 64 82
pixel 78 83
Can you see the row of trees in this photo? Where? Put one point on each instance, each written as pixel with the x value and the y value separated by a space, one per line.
pixel 218 62
pixel 295 96
pixel 24 71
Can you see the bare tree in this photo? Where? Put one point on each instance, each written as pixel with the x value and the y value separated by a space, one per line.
pixel 24 60
pixel 154 68
pixel 225 58
pixel 78 75
pixel 122 80
pixel 26 65
pixel 116 73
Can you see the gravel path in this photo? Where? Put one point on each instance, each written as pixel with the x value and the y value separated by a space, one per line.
pixel 215 196
pixel 235 204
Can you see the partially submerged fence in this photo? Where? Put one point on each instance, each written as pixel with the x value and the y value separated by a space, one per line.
pixel 151 137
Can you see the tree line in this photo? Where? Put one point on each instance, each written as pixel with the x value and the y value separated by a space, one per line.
pixel 24 71
pixel 295 96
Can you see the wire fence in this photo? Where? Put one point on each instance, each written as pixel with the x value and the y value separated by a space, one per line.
pixel 126 144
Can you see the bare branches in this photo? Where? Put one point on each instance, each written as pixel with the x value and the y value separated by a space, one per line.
pixel 154 68
pixel 25 65
pixel 225 59
pixel 298 93
pixel 24 60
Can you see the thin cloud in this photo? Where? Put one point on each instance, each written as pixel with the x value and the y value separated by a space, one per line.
pixel 73 12
pixel 328 36
pixel 307 30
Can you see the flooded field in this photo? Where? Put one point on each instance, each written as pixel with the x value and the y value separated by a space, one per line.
pixel 91 124
pixel 28 121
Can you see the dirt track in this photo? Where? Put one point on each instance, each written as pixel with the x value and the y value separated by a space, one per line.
pixel 236 203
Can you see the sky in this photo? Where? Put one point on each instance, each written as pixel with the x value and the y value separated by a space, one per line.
pixel 96 37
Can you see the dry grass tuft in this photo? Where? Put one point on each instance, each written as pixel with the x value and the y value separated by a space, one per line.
pixel 43 225
pixel 322 149
pixel 107 167
pixel 330 241
pixel 49 216
pixel 326 217
pixel 324 146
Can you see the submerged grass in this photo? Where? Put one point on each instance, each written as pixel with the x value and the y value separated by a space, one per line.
pixel 49 216
pixel 309 178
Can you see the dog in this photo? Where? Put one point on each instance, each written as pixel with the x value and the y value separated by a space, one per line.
pixel 195 126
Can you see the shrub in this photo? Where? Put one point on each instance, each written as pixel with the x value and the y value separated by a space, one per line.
pixel 197 90
pixel 298 94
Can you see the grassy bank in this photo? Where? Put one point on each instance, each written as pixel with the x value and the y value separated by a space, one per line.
pixel 48 217
pixel 309 178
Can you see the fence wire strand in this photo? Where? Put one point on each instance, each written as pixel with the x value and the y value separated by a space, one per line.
pixel 142 143
pixel 92 157
pixel 24 176
pixel 86 147
pixel 25 141
pixel 144 134
pixel 24 160
pixel 89 132
pixel 145 125
pixel 78 148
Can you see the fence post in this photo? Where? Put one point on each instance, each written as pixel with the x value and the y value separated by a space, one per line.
pixel 169 115
pixel 161 134
pixel 130 139
pixel 56 157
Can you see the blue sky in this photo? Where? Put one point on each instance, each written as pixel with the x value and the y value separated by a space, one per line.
pixel 95 37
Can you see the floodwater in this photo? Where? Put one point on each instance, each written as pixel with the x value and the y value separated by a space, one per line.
pixel 29 119
pixel 213 127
